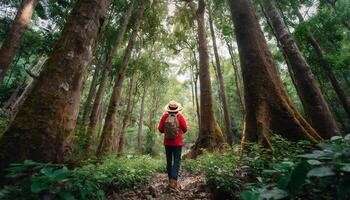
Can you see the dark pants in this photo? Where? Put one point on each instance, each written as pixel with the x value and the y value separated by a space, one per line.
pixel 173 159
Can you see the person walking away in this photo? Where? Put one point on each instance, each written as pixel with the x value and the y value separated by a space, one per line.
pixel 173 125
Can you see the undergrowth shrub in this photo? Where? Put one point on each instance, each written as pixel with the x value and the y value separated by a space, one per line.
pixel 31 180
pixel 322 174
pixel 220 171
pixel 229 174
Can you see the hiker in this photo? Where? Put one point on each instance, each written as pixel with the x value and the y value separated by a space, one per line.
pixel 173 125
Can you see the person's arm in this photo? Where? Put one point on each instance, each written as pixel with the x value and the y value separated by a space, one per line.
pixel 183 124
pixel 161 124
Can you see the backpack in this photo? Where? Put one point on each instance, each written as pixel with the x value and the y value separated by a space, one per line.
pixel 171 127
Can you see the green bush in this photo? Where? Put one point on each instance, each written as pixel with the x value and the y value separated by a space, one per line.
pixel 220 171
pixel 229 174
pixel 321 174
pixel 31 180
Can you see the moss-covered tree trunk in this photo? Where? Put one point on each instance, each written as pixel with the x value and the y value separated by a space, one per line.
pixel 105 145
pixel 43 129
pixel 314 104
pixel 230 129
pixel 268 107
pixel 209 138
pixel 91 130
pixel 13 40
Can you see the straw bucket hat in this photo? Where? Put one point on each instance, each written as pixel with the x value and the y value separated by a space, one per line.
pixel 173 106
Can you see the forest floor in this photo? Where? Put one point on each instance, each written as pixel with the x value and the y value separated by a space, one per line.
pixel 191 187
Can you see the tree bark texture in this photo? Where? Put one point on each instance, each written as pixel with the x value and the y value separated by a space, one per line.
pixel 127 115
pixel 142 113
pixel 208 137
pixel 91 130
pixel 10 103
pixel 326 67
pixel 13 39
pixel 238 78
pixel 230 130
pixel 89 99
pixel 314 104
pixel 108 128
pixel 43 129
pixel 195 84
pixel 268 107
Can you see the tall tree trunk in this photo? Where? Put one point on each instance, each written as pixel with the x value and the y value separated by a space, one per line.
pixel 108 128
pixel 238 81
pixel 338 116
pixel 19 102
pixel 15 94
pixel 326 67
pixel 208 137
pixel 230 130
pixel 92 90
pixel 21 87
pixel 314 104
pixel 13 39
pixel 195 79
pixel 99 95
pixel 43 129
pixel 127 115
pixel 142 112
pixel 268 107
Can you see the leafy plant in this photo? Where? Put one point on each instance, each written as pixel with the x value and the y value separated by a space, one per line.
pixel 322 173
pixel 31 180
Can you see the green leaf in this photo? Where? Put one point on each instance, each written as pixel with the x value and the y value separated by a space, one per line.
pixel 314 162
pixel 283 182
pixel 39 185
pixel 298 177
pixel 275 193
pixel 61 174
pixel 320 172
pixel 250 195
pixel 336 138
pixel 47 171
pixel 345 168
pixel 347 137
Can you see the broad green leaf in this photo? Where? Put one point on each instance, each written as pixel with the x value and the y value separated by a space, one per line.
pixel 336 138
pixel 250 195
pixel 314 162
pixel 60 174
pixel 298 177
pixel 283 182
pixel 345 168
pixel 47 171
pixel 275 193
pixel 347 137
pixel 320 172
pixel 39 185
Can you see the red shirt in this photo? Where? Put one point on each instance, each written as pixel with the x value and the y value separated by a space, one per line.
pixel 182 129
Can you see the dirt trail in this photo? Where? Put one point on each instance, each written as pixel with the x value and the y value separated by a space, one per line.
pixel 192 187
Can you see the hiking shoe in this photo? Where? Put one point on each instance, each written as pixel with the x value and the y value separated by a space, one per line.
pixel 173 185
